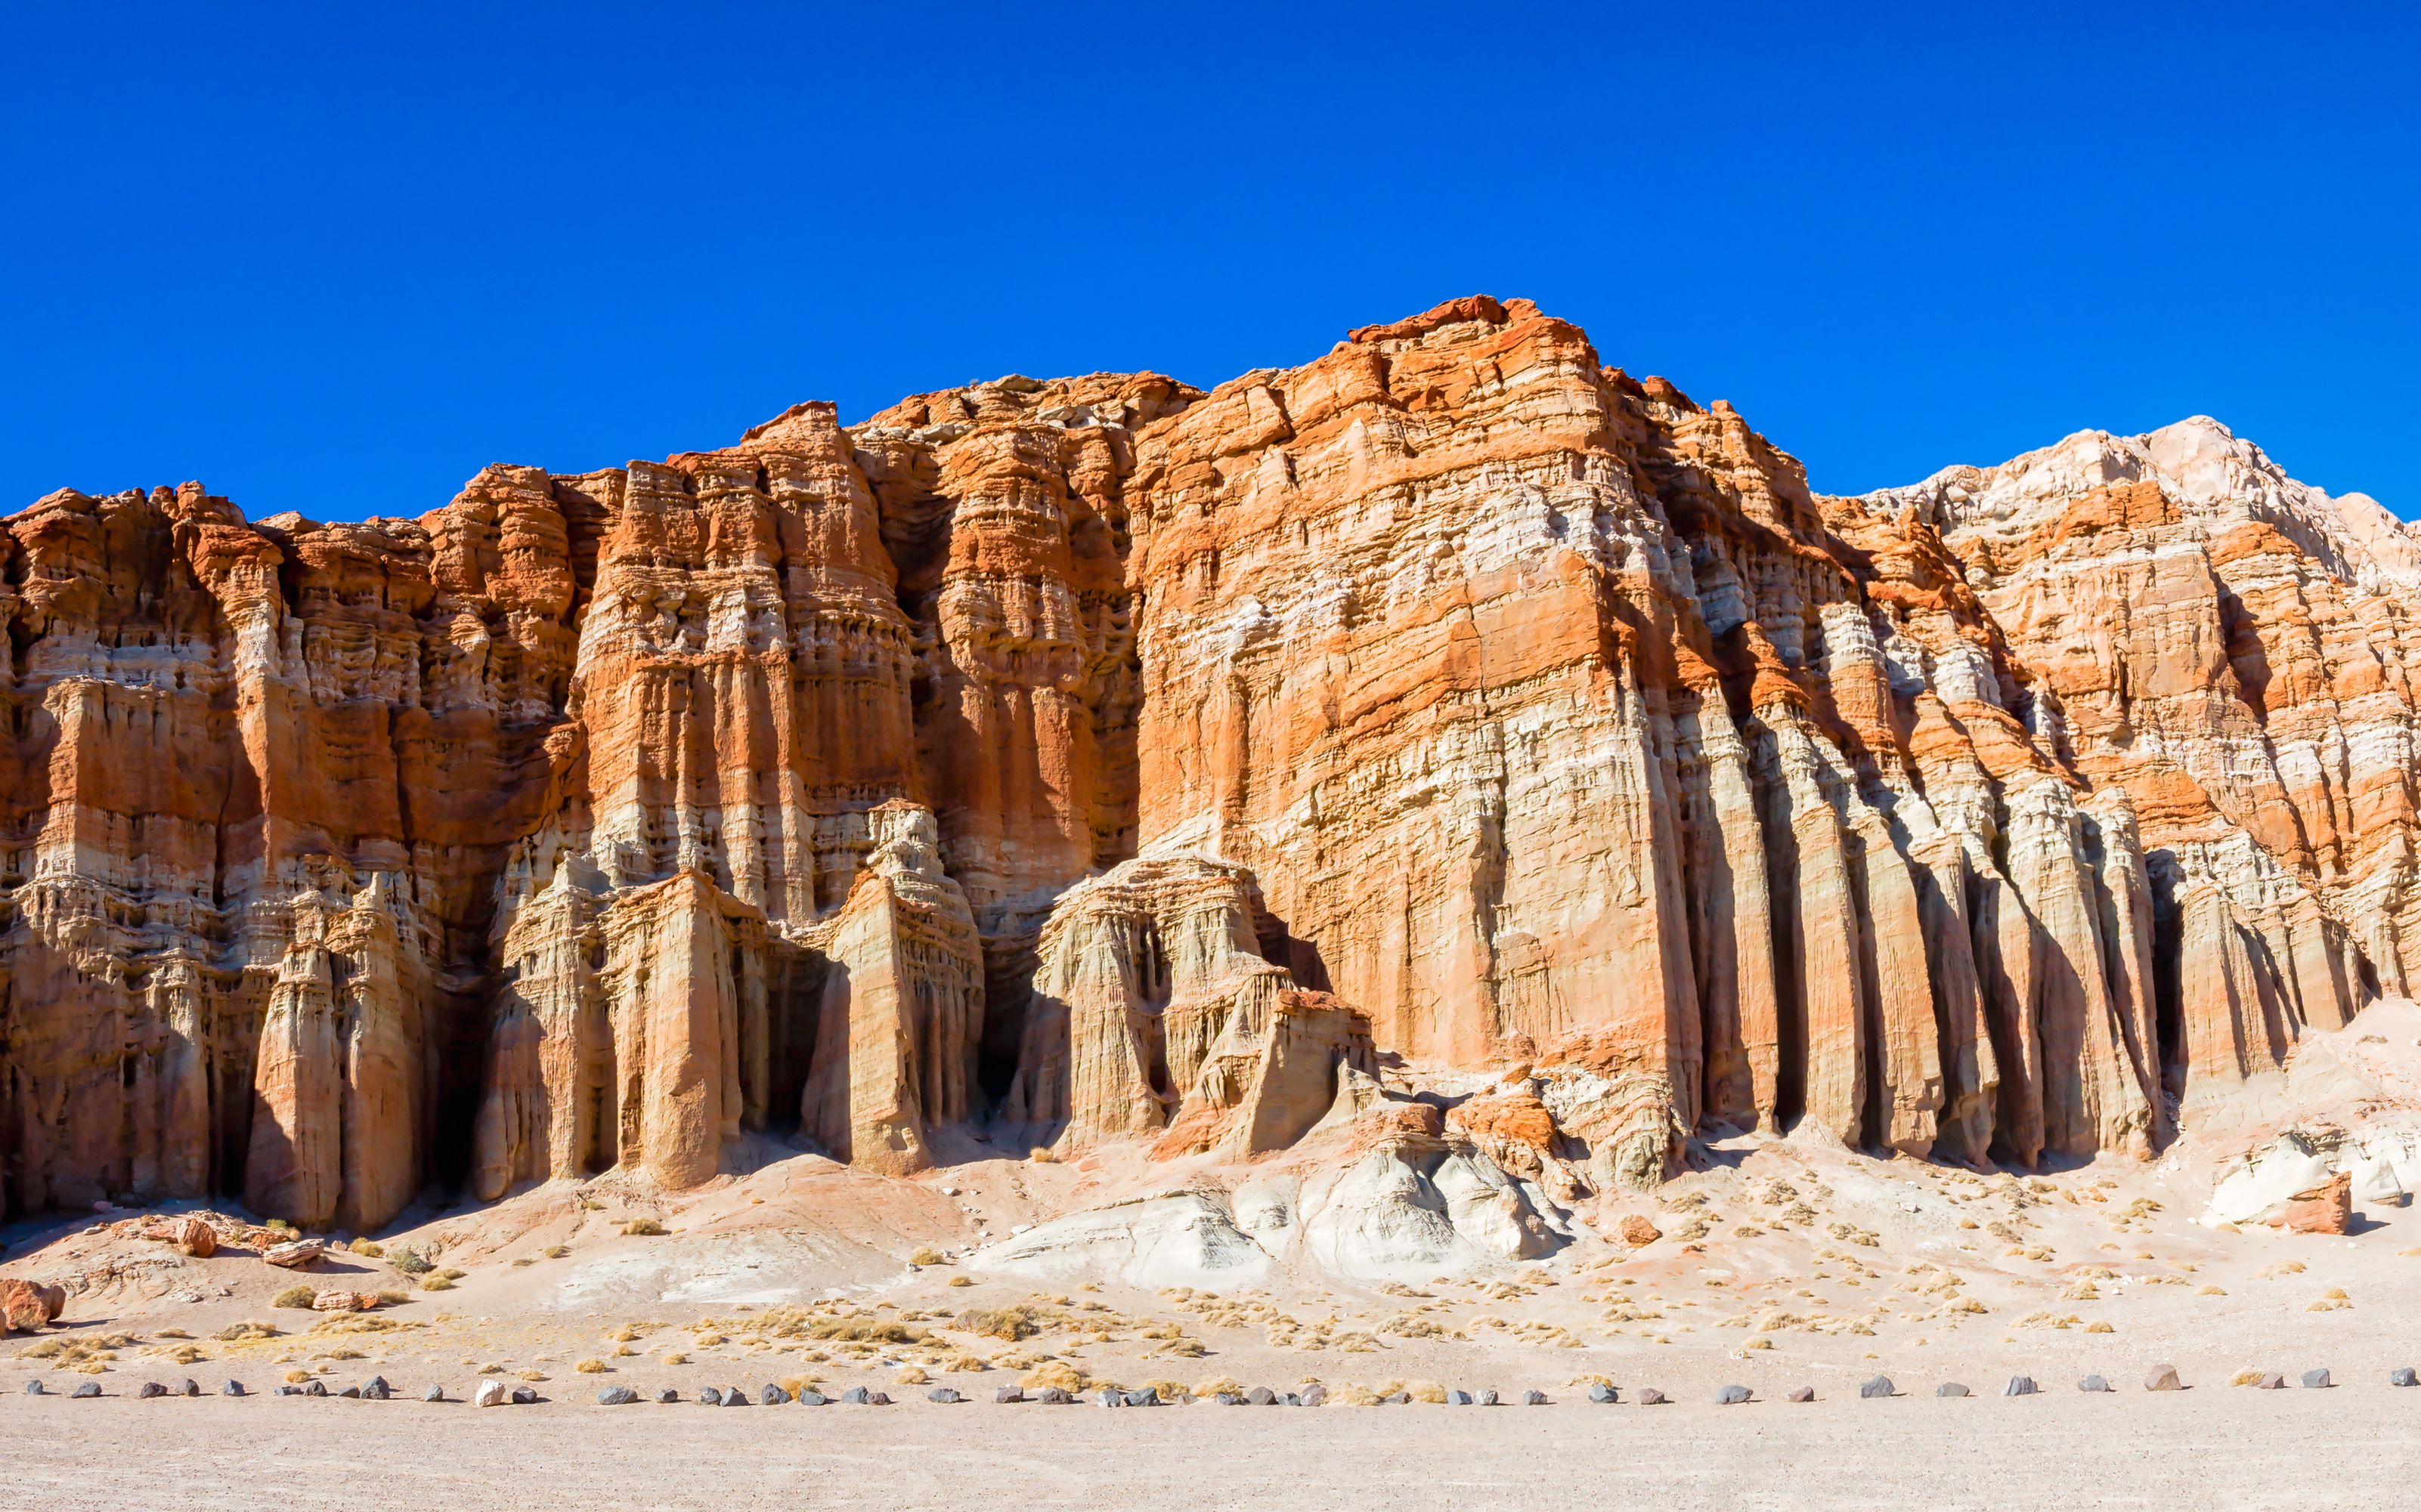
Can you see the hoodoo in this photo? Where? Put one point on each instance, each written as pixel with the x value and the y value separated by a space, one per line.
pixel 1102 759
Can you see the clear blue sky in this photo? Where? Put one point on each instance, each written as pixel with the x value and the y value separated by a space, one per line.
pixel 331 261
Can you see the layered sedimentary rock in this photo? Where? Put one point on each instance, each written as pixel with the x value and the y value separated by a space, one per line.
pixel 1102 759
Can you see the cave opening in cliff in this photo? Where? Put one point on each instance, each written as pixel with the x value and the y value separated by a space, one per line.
pixel 794 989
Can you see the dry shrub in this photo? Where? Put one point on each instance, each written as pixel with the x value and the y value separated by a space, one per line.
pixel 960 1362
pixel 911 1376
pixel 1208 1389
pixel 392 1296
pixel 451 1274
pixel 1041 1155
pixel 184 1354
pixel 591 1368
pixel 1011 1323
pixel 1183 1349
pixel 556 1252
pixel 295 1297
pixel 368 1247
pixel 409 1261
pixel 531 1375
pixel 926 1255
pixel 677 1358
pixel 436 1281
pixel 245 1331
pixel 642 1228
pixel 296 1378
pixel 2246 1377
pixel 1351 1395
pixel 1059 1373
pixel 1170 1391
pixel 963 1281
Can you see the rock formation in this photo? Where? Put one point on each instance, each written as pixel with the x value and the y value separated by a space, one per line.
pixel 1102 759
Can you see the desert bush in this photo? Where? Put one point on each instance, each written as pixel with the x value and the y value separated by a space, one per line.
pixel 641 1227
pixel 367 1247
pixel 911 1376
pixel 926 1255
pixel 294 1297
pixel 591 1368
pixel 1011 1323
pixel 963 1281
pixel 1041 1155
pixel 409 1261
pixel 556 1252
pixel 436 1281
pixel 241 1332
pixel 1059 1373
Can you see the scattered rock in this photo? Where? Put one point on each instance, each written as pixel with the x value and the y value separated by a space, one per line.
pixel 1639 1232
pixel 27 1305
pixel 666 1395
pixel 1458 1399
pixel 1230 1399
pixel 435 1393
pixel 300 1255
pixel 1488 1399
pixel 812 1397
pixel 1148 1397
pixel 526 1395
pixel 188 1387
pixel 1880 1386
pixel 1315 1395
pixel 1601 1393
pixel 1950 1388
pixel 376 1389
pixel 773 1395
pixel 2164 1379
pixel 877 1399
pixel 2327 1208
pixel 2271 1383
pixel 1260 1396
pixel 1731 1396
pixel 1048 1396
pixel 2019 1386
pixel 2403 1376
pixel 946 1397
pixel 491 1393
pixel 710 1396
pixel 1805 1393
pixel 2093 1384
pixel 1008 1395
pixel 352 1392
pixel 1109 1397
pixel 856 1396
pixel 151 1389
pixel 616 1397
pixel 232 1387
pixel 315 1388
pixel 1651 1396
pixel 194 1237
pixel 1540 1398
pixel 340 1300
pixel 34 1388
pixel 90 1388
pixel 734 1396
pixel 2316 1379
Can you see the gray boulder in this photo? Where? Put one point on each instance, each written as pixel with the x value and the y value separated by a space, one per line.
pixel 1651 1396
pixel 2402 1376
pixel 1488 1399
pixel 1950 1388
pixel 377 1390
pixel 90 1388
pixel 1110 1398
pixel 616 1397
pixel 667 1395
pixel 151 1389
pixel 1230 1399
pixel 319 1388
pixel 2019 1386
pixel 1458 1399
pixel 944 1394
pixel 856 1396
pixel 2271 1383
pixel 1054 1396
pixel 190 1387
pixel 877 1399
pixel 1534 1398
pixel 234 1388
pixel 1148 1397
pixel 1880 1386
pixel 1731 1396
pixel 1261 1396
pixel 1397 1399
pixel 435 1393
pixel 34 1388
pixel 773 1395
pixel 2164 1379
pixel 710 1396
pixel 1008 1395
pixel 1604 1394
pixel 734 1396
pixel 2093 1384
pixel 2316 1379
pixel 352 1394
pixel 525 1395
pixel 1804 1394
pixel 1315 1395
pixel 812 1397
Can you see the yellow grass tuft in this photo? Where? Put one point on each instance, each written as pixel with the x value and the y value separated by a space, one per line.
pixel 294 1297
pixel 591 1368
pixel 911 1376
pixel 369 1247
pixel 1059 1373
pixel 245 1331
pixel 926 1255
pixel 642 1227
pixel 963 1281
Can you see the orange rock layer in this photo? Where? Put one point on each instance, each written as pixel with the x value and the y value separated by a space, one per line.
pixel 1105 759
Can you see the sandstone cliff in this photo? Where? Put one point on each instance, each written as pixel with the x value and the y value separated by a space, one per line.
pixel 1102 760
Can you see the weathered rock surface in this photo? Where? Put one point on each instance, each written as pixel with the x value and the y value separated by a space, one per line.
pixel 1102 760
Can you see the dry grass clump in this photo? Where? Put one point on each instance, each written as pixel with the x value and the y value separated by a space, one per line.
pixel 1170 1391
pixel 963 1281
pixel 911 1376
pixel 591 1368
pixel 368 1247
pixel 1012 1323
pixel 184 1354
pixel 437 1280
pixel 926 1255
pixel 1211 1388
pixel 962 1363
pixel 296 1378
pixel 795 1384
pixel 1183 1349
pixel 409 1262
pixel 1040 1155
pixel 245 1331
pixel 294 1297
pixel 556 1252
pixel 676 1358
pixel 1059 1373
pixel 1419 1391
pixel 531 1375
pixel 392 1296
pixel 865 1330
pixel 642 1228
pixel 1351 1395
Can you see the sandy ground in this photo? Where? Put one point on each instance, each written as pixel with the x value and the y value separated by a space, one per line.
pixel 2206 1448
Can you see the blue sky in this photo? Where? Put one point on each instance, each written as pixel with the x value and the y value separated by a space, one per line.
pixel 336 262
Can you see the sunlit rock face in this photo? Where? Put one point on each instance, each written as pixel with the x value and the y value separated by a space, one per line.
pixel 1101 759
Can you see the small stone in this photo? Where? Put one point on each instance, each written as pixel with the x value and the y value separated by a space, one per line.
pixel 234 1388
pixel 315 1388
pixel 1880 1386
pixel 773 1395
pixel 1488 1399
pixel 812 1397
pixel 287 1391
pixel 2164 1379
pixel 1315 1395
pixel 1731 1396
pixel 710 1396
pixel 1639 1232
pixel 1950 1388
pixel 1602 1393
pixel 34 1388
pixel 2093 1384
pixel 1398 1399
pixel 1148 1397
pixel 491 1393
pixel 435 1393
pixel 734 1396
pixel 1458 1399
pixel 151 1389
pixel 1261 1396
pixel 2403 1376
pixel 1230 1400
pixel 1534 1398
pixel 666 1395
pixel 1804 1394
pixel 2316 1379
pixel 877 1399
pixel 1110 1398
pixel 1048 1396
pixel 89 1388
pixel 2019 1386
pixel 855 1396
pixel 525 1397
pixel 350 1392
pixel 616 1397
pixel 1651 1396
pixel 1008 1395
pixel 376 1390
pixel 188 1387
pixel 945 1395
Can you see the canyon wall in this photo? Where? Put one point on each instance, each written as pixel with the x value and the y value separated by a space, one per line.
pixel 1102 759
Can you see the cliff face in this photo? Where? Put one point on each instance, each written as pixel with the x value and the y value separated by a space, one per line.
pixel 1102 759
